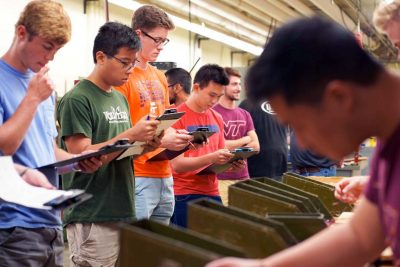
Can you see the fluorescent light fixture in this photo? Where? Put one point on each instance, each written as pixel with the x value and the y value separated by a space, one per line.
pixel 199 29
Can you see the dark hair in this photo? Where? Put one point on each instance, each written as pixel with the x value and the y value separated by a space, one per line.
pixel 303 56
pixel 112 36
pixel 232 72
pixel 181 76
pixel 211 72
pixel 149 17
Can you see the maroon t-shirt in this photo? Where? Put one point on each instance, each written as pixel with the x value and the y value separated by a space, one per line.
pixel 384 189
pixel 237 123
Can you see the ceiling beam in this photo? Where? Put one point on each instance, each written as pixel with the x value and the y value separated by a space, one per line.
pixel 269 9
pixel 232 15
pixel 300 7
pixel 285 8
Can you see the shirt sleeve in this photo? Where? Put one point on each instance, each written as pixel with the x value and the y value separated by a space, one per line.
pixel 74 118
pixel 249 120
pixel 371 190
pixel 221 143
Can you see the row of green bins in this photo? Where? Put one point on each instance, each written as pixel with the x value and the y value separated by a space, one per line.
pixel 256 236
pixel 325 192
pixel 149 243
pixel 313 198
pixel 259 195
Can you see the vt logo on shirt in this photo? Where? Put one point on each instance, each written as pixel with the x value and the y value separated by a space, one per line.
pixel 116 115
pixel 232 128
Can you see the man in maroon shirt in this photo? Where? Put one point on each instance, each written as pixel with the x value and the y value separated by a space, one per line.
pixel 335 95
pixel 238 130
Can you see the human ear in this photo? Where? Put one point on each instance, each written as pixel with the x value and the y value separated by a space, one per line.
pixel 100 57
pixel 339 96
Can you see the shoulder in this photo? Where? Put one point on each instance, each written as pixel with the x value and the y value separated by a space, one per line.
pixel 216 115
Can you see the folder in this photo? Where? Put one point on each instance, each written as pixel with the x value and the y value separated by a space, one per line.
pixel 111 148
pixel 70 199
pixel 255 239
pixel 14 189
pixel 149 243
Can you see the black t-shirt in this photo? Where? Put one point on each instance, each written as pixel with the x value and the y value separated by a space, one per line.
pixel 305 158
pixel 272 159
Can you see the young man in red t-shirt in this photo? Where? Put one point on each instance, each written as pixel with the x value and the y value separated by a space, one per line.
pixel 208 87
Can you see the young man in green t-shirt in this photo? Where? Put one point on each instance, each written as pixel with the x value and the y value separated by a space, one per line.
pixel 92 115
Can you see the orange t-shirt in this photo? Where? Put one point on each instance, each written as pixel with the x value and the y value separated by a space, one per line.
pixel 190 182
pixel 142 88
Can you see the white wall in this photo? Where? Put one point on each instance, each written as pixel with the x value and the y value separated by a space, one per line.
pixel 74 60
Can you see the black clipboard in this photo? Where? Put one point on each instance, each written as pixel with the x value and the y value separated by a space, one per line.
pixel 119 145
pixel 75 197
pixel 200 137
pixel 242 153
pixel 170 115
pixel 167 154
pixel 239 154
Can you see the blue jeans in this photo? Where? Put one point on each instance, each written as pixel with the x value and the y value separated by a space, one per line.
pixel 180 212
pixel 331 171
pixel 154 198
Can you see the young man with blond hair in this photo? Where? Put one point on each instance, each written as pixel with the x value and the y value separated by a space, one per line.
pixel 147 93
pixel 32 237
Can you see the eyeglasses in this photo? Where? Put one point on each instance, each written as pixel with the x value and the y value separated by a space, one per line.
pixel 172 85
pixel 125 65
pixel 157 41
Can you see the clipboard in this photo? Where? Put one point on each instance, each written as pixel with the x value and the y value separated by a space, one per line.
pixel 167 119
pixel 167 154
pixel 239 153
pixel 70 199
pixel 170 114
pixel 119 145
pixel 200 136
pixel 135 150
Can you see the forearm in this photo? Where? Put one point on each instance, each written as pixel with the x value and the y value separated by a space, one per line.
pixel 75 147
pixel 13 131
pixel 330 248
pixel 233 144
pixel 187 164
pixel 254 145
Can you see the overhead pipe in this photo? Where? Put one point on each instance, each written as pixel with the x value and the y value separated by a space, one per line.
pixel 209 16
pixel 233 15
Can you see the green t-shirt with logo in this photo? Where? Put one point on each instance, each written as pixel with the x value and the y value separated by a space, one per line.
pixel 100 116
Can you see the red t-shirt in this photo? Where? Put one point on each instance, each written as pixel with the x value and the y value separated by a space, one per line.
pixel 190 182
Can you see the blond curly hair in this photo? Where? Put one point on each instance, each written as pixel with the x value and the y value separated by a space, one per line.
pixel 387 10
pixel 46 19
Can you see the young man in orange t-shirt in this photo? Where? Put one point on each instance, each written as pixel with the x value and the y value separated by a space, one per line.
pixel 209 85
pixel 147 93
